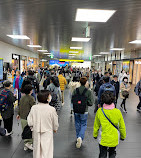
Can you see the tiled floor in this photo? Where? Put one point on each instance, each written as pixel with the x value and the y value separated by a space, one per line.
pixel 64 140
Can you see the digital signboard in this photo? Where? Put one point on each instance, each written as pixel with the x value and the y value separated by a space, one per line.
pixel 58 63
pixel 1 69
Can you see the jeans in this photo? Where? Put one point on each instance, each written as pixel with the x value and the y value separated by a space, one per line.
pixel 139 105
pixel 104 150
pixel 33 94
pixel 80 124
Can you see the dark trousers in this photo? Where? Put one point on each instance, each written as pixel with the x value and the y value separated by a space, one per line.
pixel 139 105
pixel 104 150
pixel 123 103
pixel 8 124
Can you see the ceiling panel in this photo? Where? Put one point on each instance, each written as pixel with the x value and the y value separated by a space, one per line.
pixel 51 23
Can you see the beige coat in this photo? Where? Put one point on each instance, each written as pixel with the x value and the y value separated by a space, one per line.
pixel 73 85
pixel 123 88
pixel 44 120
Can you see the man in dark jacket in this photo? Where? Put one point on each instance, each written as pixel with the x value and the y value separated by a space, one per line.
pixel 7 115
pixel 34 83
pixel 105 87
pixel 81 119
pixel 115 83
pixel 138 93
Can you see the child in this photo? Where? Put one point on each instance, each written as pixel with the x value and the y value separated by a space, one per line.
pixel 108 123
pixel 26 102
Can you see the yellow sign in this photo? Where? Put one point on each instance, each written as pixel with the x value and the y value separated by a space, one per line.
pixel 71 60
pixel 72 50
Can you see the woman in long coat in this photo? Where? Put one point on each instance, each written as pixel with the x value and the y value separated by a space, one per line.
pixel 124 86
pixel 44 121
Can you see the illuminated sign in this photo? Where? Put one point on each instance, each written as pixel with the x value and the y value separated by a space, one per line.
pixel 15 56
pixel 137 62
pixel 1 69
pixel 58 63
pixel 71 60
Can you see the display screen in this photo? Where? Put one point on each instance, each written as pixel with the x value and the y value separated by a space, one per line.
pixel 1 69
pixel 58 63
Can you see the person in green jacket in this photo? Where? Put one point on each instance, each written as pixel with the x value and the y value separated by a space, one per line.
pixel 108 134
pixel 26 102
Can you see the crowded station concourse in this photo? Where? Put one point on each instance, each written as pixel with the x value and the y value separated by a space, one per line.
pixel 70 79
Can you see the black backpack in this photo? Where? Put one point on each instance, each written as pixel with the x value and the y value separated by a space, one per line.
pixel 79 102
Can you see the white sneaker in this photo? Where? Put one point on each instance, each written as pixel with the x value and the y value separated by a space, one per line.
pixel 28 146
pixel 79 143
pixel 62 104
pixel 8 134
pixel 25 148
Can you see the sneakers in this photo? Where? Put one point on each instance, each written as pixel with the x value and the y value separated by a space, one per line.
pixel 139 110
pixel 79 143
pixel 28 146
pixel 62 104
pixel 71 112
pixel 8 134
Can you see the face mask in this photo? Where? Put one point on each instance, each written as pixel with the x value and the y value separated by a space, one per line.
pixel 49 98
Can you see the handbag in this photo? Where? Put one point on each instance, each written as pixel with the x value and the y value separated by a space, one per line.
pixel 27 133
pixel 125 94
pixel 109 119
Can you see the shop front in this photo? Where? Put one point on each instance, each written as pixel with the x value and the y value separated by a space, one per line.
pixel 32 63
pixel 23 63
pixel 137 71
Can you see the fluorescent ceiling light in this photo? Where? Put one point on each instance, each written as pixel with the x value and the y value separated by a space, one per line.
pixel 79 39
pixel 42 51
pixel 135 42
pixel 117 49
pixel 18 36
pixel 93 15
pixel 73 52
pixel 75 47
pixel 97 55
pixel 47 53
pixel 104 53
pixel 34 46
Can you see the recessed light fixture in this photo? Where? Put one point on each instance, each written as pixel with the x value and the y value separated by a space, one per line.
pixel 75 47
pixel 97 55
pixel 42 51
pixel 18 36
pixel 117 49
pixel 47 53
pixel 93 15
pixel 135 42
pixel 104 53
pixel 73 52
pixel 34 46
pixel 79 39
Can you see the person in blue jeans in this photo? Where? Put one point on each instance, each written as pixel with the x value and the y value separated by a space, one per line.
pixel 81 119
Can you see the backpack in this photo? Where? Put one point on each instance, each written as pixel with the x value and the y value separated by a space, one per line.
pixel 54 96
pixel 3 100
pixel 79 102
pixel 109 88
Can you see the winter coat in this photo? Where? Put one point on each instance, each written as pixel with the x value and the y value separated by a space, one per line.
pixel 116 85
pixel 137 91
pixel 20 82
pixel 124 87
pixel 73 86
pixel 107 134
pixel 62 82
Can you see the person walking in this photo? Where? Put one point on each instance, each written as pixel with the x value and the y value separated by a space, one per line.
pixel 75 83
pixel 81 99
pixel 124 92
pixel 8 113
pixel 115 83
pixel 138 93
pixel 43 120
pixel 62 82
pixel 26 102
pixel 55 93
pixel 107 126
pixel 17 84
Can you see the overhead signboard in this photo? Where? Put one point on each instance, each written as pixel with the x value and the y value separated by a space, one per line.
pixel 1 69
pixel 15 56
pixel 58 63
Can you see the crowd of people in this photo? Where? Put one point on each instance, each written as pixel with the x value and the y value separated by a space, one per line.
pixel 41 95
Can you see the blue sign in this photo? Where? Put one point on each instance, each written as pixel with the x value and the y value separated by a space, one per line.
pixel 1 69
pixel 58 63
